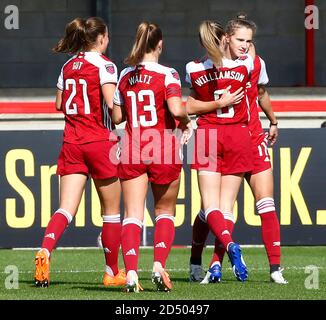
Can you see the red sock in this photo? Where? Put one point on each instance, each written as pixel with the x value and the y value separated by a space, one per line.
pixel 270 227
pixel 200 231
pixel 111 239
pixel 163 237
pixel 130 242
pixel 57 225
pixel 219 250
pixel 217 224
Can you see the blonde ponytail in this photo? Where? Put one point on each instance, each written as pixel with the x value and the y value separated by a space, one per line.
pixel 210 35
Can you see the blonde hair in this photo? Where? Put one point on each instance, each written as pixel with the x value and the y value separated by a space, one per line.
pixel 147 38
pixel 240 21
pixel 210 36
pixel 81 35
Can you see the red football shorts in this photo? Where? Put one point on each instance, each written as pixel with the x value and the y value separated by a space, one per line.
pixel 160 158
pixel 97 159
pixel 261 158
pixel 223 148
pixel 157 173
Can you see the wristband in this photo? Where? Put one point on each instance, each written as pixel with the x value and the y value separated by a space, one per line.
pixel 273 124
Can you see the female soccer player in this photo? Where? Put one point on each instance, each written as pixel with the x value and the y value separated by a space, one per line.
pixel 85 95
pixel 260 178
pixel 148 97
pixel 222 135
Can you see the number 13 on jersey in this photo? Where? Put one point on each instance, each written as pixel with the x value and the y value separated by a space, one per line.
pixel 136 100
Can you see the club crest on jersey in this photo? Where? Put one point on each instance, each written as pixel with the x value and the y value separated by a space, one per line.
pixel 109 68
pixel 175 75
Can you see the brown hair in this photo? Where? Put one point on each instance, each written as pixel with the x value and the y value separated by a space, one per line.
pixel 147 37
pixel 240 21
pixel 210 35
pixel 81 35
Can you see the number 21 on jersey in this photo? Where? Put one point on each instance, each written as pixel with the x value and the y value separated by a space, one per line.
pixel 74 109
pixel 138 98
pixel 226 112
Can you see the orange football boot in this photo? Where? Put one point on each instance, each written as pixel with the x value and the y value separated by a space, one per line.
pixel 118 280
pixel 42 269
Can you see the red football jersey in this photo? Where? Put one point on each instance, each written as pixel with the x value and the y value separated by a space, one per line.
pixel 257 76
pixel 87 116
pixel 209 83
pixel 143 91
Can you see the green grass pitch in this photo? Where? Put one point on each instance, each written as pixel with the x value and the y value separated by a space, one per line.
pixel 77 275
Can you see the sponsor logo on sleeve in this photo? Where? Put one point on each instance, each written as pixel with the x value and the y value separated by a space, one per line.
pixel 175 75
pixel 110 68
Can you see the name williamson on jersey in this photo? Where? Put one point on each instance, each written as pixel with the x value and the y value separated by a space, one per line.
pixel 213 76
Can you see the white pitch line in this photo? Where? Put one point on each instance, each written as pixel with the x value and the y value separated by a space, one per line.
pixel 171 270
pixel 141 247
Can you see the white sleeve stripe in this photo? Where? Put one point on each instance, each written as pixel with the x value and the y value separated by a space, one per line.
pixel 263 77
pixel 169 79
pixel 99 62
pixel 200 66
pixel 249 63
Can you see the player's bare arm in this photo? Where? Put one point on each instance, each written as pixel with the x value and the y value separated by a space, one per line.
pixel 179 113
pixel 58 100
pixel 108 92
pixel 118 114
pixel 266 105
